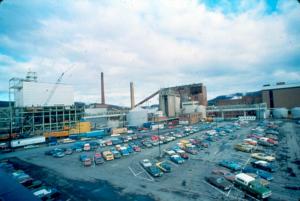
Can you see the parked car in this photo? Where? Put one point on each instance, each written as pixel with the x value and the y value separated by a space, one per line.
pixel 130 149
pixel 164 166
pixel 35 184
pixel 262 156
pixel 86 147
pixel 68 151
pixel 137 148
pixel 58 154
pixel 22 178
pixel 124 151
pixel 225 173
pixel 98 158
pixel 176 159
pixel 147 144
pixel 191 150
pixel 232 165
pixel 85 159
pixel 261 173
pixel 263 165
pixel 116 153
pixel 46 193
pixel 169 152
pixel 184 155
pixel 145 163
pixel 219 182
pixel 108 155
pixel 94 145
pixel 243 147
pixel 154 171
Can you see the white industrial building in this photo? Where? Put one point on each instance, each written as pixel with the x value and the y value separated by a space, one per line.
pixel 30 94
pixel 137 117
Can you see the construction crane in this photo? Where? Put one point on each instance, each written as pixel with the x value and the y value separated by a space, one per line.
pixel 58 81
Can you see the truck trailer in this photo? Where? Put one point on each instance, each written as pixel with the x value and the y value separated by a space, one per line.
pixel 27 141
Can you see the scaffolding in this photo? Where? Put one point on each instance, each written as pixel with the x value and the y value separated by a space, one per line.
pixel 34 121
pixel 21 122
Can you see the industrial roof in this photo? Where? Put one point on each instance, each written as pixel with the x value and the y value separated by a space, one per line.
pixel 281 86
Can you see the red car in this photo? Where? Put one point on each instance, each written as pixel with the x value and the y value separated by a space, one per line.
pixel 225 173
pixel 254 136
pixel 270 140
pixel 184 155
pixel 137 149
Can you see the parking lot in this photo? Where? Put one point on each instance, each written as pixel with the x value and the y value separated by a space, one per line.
pixel 126 179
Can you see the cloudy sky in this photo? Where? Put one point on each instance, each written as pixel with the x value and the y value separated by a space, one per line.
pixel 229 45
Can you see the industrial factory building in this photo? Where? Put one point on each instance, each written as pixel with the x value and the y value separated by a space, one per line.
pixel 174 100
pixel 40 109
pixel 48 109
pixel 281 95
pixel 187 103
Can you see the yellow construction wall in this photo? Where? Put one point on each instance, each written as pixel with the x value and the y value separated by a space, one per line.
pixel 80 127
pixel 56 134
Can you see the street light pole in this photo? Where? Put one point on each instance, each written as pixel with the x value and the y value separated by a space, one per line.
pixel 158 142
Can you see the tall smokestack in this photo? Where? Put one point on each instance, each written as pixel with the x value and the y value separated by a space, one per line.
pixel 102 89
pixel 132 95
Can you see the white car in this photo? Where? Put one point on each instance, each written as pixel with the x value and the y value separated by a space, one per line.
pixel 146 163
pixel 180 151
pixel 264 157
pixel 170 152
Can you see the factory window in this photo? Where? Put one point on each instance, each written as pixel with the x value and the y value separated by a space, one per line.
pixel 196 90
pixel 271 99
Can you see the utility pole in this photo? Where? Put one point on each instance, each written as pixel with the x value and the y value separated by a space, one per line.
pixel 159 142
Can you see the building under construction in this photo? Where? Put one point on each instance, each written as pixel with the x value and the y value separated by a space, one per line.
pixel 37 108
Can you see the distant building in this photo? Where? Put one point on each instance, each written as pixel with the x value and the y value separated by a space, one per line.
pixel 243 100
pixel 171 99
pixel 281 95
pixel 169 102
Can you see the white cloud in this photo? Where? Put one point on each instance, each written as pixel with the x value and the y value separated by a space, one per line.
pixel 157 44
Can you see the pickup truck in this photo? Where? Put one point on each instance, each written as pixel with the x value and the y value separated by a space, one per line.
pixel 252 186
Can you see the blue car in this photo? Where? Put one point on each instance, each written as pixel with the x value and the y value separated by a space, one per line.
pixel 261 173
pixel 124 151
pixel 129 149
pixel 176 159
pixel 230 165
